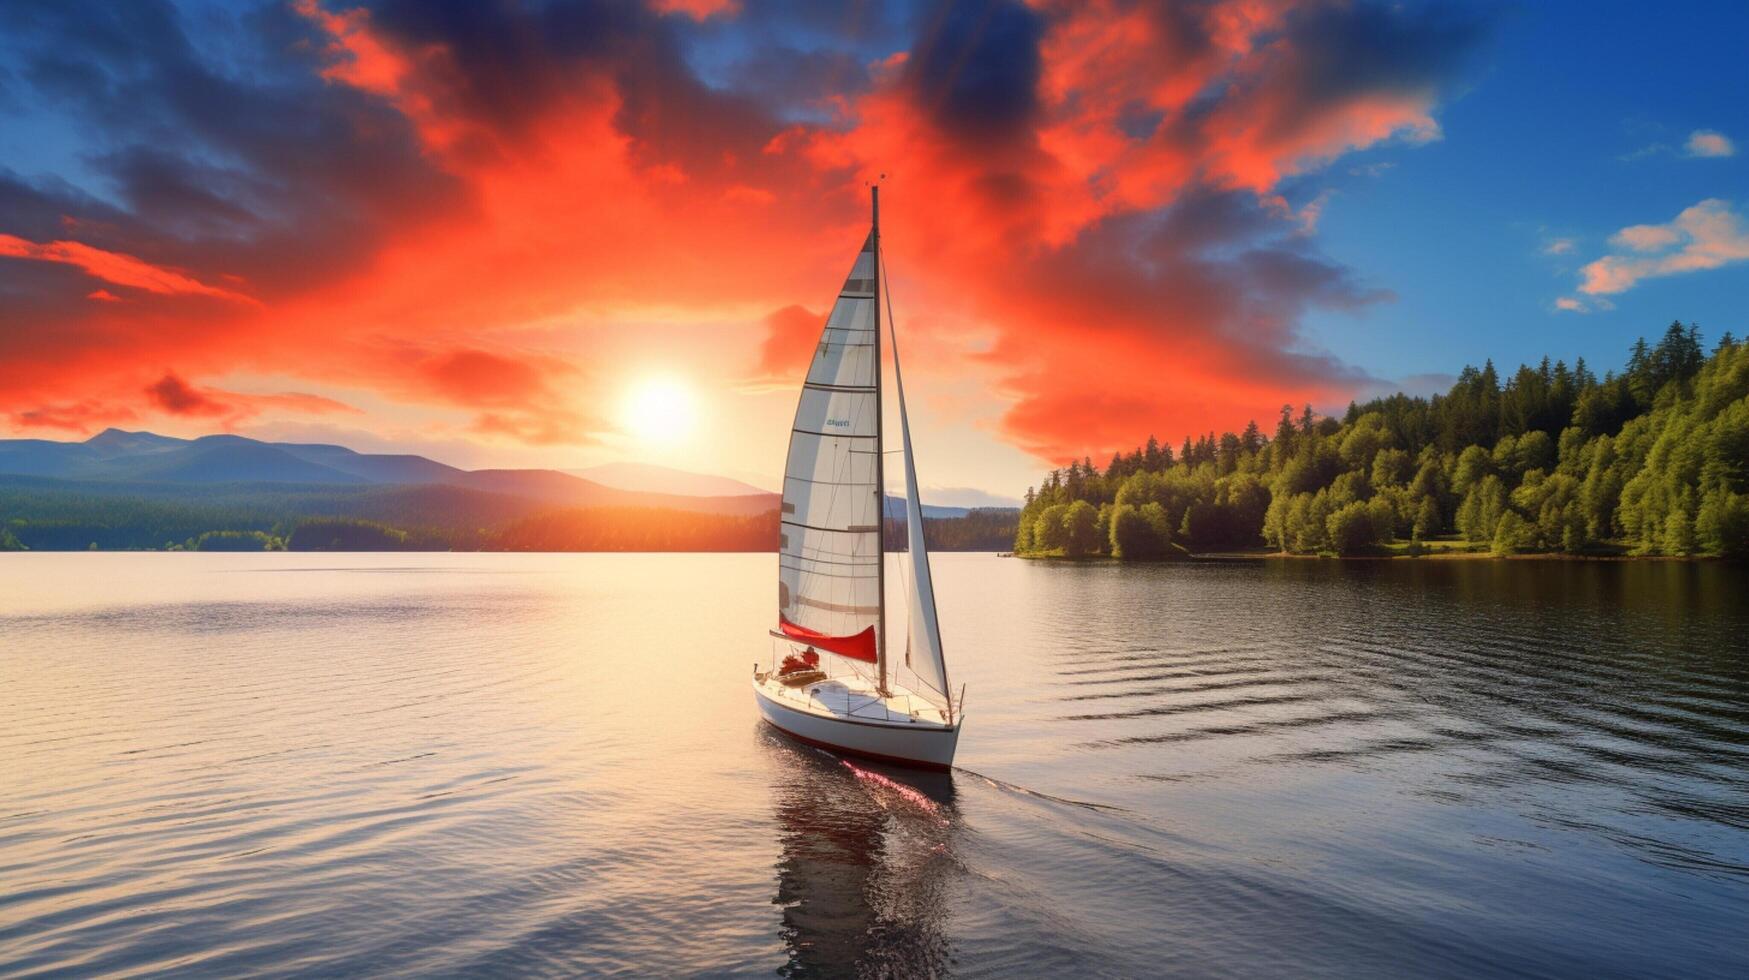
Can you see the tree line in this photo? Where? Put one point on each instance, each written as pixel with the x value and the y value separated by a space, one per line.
pixel 1650 460
pixel 51 515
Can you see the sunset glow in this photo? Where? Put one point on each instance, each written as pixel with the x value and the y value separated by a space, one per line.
pixel 468 224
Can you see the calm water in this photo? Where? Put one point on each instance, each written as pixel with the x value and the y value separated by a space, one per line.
pixel 492 764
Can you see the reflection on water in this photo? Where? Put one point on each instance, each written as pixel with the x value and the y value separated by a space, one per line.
pixel 867 855
pixel 552 765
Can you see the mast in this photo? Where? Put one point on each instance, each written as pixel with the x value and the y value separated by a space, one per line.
pixel 880 488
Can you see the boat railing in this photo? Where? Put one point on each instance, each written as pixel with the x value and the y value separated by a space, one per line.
pixel 834 670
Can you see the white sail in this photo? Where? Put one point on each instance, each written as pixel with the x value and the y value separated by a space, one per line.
pixel 829 553
pixel 831 589
pixel 923 652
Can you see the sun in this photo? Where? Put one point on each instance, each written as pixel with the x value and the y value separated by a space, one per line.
pixel 660 410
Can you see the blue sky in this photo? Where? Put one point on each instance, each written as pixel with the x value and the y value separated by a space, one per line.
pixel 1570 124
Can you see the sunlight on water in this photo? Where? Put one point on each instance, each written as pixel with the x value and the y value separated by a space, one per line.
pixel 551 764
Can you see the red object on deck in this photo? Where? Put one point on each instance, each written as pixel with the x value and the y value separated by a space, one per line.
pixel 857 646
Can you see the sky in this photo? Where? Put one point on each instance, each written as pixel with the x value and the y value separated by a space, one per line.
pixel 559 233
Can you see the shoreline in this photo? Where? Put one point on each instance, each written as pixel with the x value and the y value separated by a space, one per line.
pixel 1450 554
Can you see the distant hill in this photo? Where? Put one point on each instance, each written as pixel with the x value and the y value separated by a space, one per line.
pixel 649 478
pixel 896 510
pixel 132 490
pixel 118 456
pixel 210 460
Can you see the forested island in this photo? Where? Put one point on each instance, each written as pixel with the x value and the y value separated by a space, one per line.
pixel 1652 460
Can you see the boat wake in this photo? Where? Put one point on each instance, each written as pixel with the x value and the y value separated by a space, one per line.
pixel 1009 787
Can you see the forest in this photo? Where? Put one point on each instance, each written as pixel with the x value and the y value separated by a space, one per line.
pixel 1649 460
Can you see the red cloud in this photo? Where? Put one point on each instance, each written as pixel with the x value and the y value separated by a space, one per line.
pixel 1094 185
pixel 476 377
pixel 81 417
pixel 174 396
pixel 791 336
pixel 113 267
pixel 696 9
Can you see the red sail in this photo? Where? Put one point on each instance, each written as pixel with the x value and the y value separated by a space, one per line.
pixel 857 646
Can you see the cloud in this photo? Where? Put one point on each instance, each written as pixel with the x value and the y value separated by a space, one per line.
pixel 1646 238
pixel 1705 236
pixel 428 200
pixel 113 268
pixel 976 70
pixel 696 9
pixel 1559 246
pixel 1571 304
pixel 1376 169
pixel 1700 143
pixel 791 334
pixel 173 395
pixel 477 377
pixel 1710 143
pixel 80 417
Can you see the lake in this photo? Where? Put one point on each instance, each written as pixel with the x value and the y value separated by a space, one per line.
pixel 551 764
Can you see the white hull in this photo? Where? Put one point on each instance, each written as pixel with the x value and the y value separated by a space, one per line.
pixel 915 743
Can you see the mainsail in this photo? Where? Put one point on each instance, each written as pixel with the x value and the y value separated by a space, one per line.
pixel 829 590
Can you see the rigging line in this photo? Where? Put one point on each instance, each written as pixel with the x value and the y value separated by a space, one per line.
pixel 848 559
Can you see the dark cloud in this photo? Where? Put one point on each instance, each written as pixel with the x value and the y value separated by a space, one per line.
pixel 502 65
pixel 1336 51
pixel 1217 266
pixel 173 395
pixel 1205 220
pixel 272 175
pixel 976 68
pixel 180 197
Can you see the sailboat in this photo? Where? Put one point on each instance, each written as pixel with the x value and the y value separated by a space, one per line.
pixel 832 680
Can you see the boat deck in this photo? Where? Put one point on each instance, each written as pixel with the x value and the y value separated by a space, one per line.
pixel 854 697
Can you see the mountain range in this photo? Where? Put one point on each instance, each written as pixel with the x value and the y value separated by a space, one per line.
pixel 650 478
pixel 115 457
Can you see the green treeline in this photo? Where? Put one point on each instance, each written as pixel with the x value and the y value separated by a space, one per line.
pixel 1653 460
pixel 979 529
pixel 235 541
pixel 350 534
